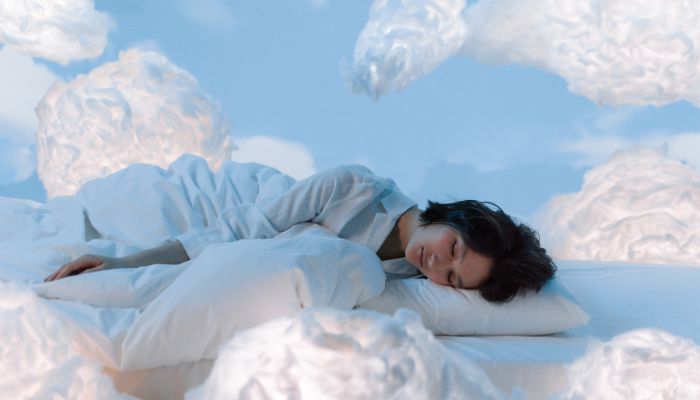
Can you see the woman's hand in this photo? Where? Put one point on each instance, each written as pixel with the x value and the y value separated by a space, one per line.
pixel 171 252
pixel 86 263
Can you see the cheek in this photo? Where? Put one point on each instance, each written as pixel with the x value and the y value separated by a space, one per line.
pixel 441 243
pixel 433 276
pixel 412 250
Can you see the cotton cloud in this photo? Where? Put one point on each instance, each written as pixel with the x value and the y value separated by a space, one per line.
pixel 403 40
pixel 331 354
pixel 639 206
pixel 291 158
pixel 641 364
pixel 140 108
pixel 614 52
pixel 36 359
pixel 57 30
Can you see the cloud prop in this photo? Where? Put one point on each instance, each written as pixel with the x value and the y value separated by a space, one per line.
pixel 640 206
pixel 331 354
pixel 57 30
pixel 36 359
pixel 141 108
pixel 641 364
pixel 616 52
pixel 403 40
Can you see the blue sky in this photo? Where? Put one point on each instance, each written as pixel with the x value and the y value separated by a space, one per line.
pixel 508 133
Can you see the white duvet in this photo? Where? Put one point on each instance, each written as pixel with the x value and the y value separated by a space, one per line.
pixel 169 315
pixel 165 315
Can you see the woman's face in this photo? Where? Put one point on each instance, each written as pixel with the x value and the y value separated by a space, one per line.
pixel 439 252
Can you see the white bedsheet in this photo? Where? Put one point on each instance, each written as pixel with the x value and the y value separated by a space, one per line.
pixel 620 298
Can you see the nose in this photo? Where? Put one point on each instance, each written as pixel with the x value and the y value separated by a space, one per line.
pixel 437 269
pixel 435 263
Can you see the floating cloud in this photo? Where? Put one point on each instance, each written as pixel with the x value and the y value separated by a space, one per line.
pixel 639 206
pixel 614 52
pixel 141 108
pixel 36 360
pixel 332 354
pixel 641 364
pixel 403 40
pixel 291 158
pixel 57 30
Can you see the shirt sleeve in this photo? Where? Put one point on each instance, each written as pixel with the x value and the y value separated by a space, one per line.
pixel 330 198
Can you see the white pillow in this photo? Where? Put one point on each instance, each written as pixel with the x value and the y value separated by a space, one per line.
pixel 238 285
pixel 449 311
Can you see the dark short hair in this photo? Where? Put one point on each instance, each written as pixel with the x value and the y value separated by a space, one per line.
pixel 520 263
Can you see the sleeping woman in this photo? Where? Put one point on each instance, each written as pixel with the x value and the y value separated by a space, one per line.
pixel 464 244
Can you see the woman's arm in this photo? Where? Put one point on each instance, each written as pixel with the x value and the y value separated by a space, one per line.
pixel 171 252
pixel 330 198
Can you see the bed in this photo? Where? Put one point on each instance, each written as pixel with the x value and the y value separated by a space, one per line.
pixel 97 313
pixel 620 297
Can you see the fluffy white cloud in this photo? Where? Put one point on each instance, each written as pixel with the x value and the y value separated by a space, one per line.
pixel 639 206
pixel 141 108
pixel 23 84
pixel 291 158
pixel 331 354
pixel 36 358
pixel 57 30
pixel 403 40
pixel 641 364
pixel 614 52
